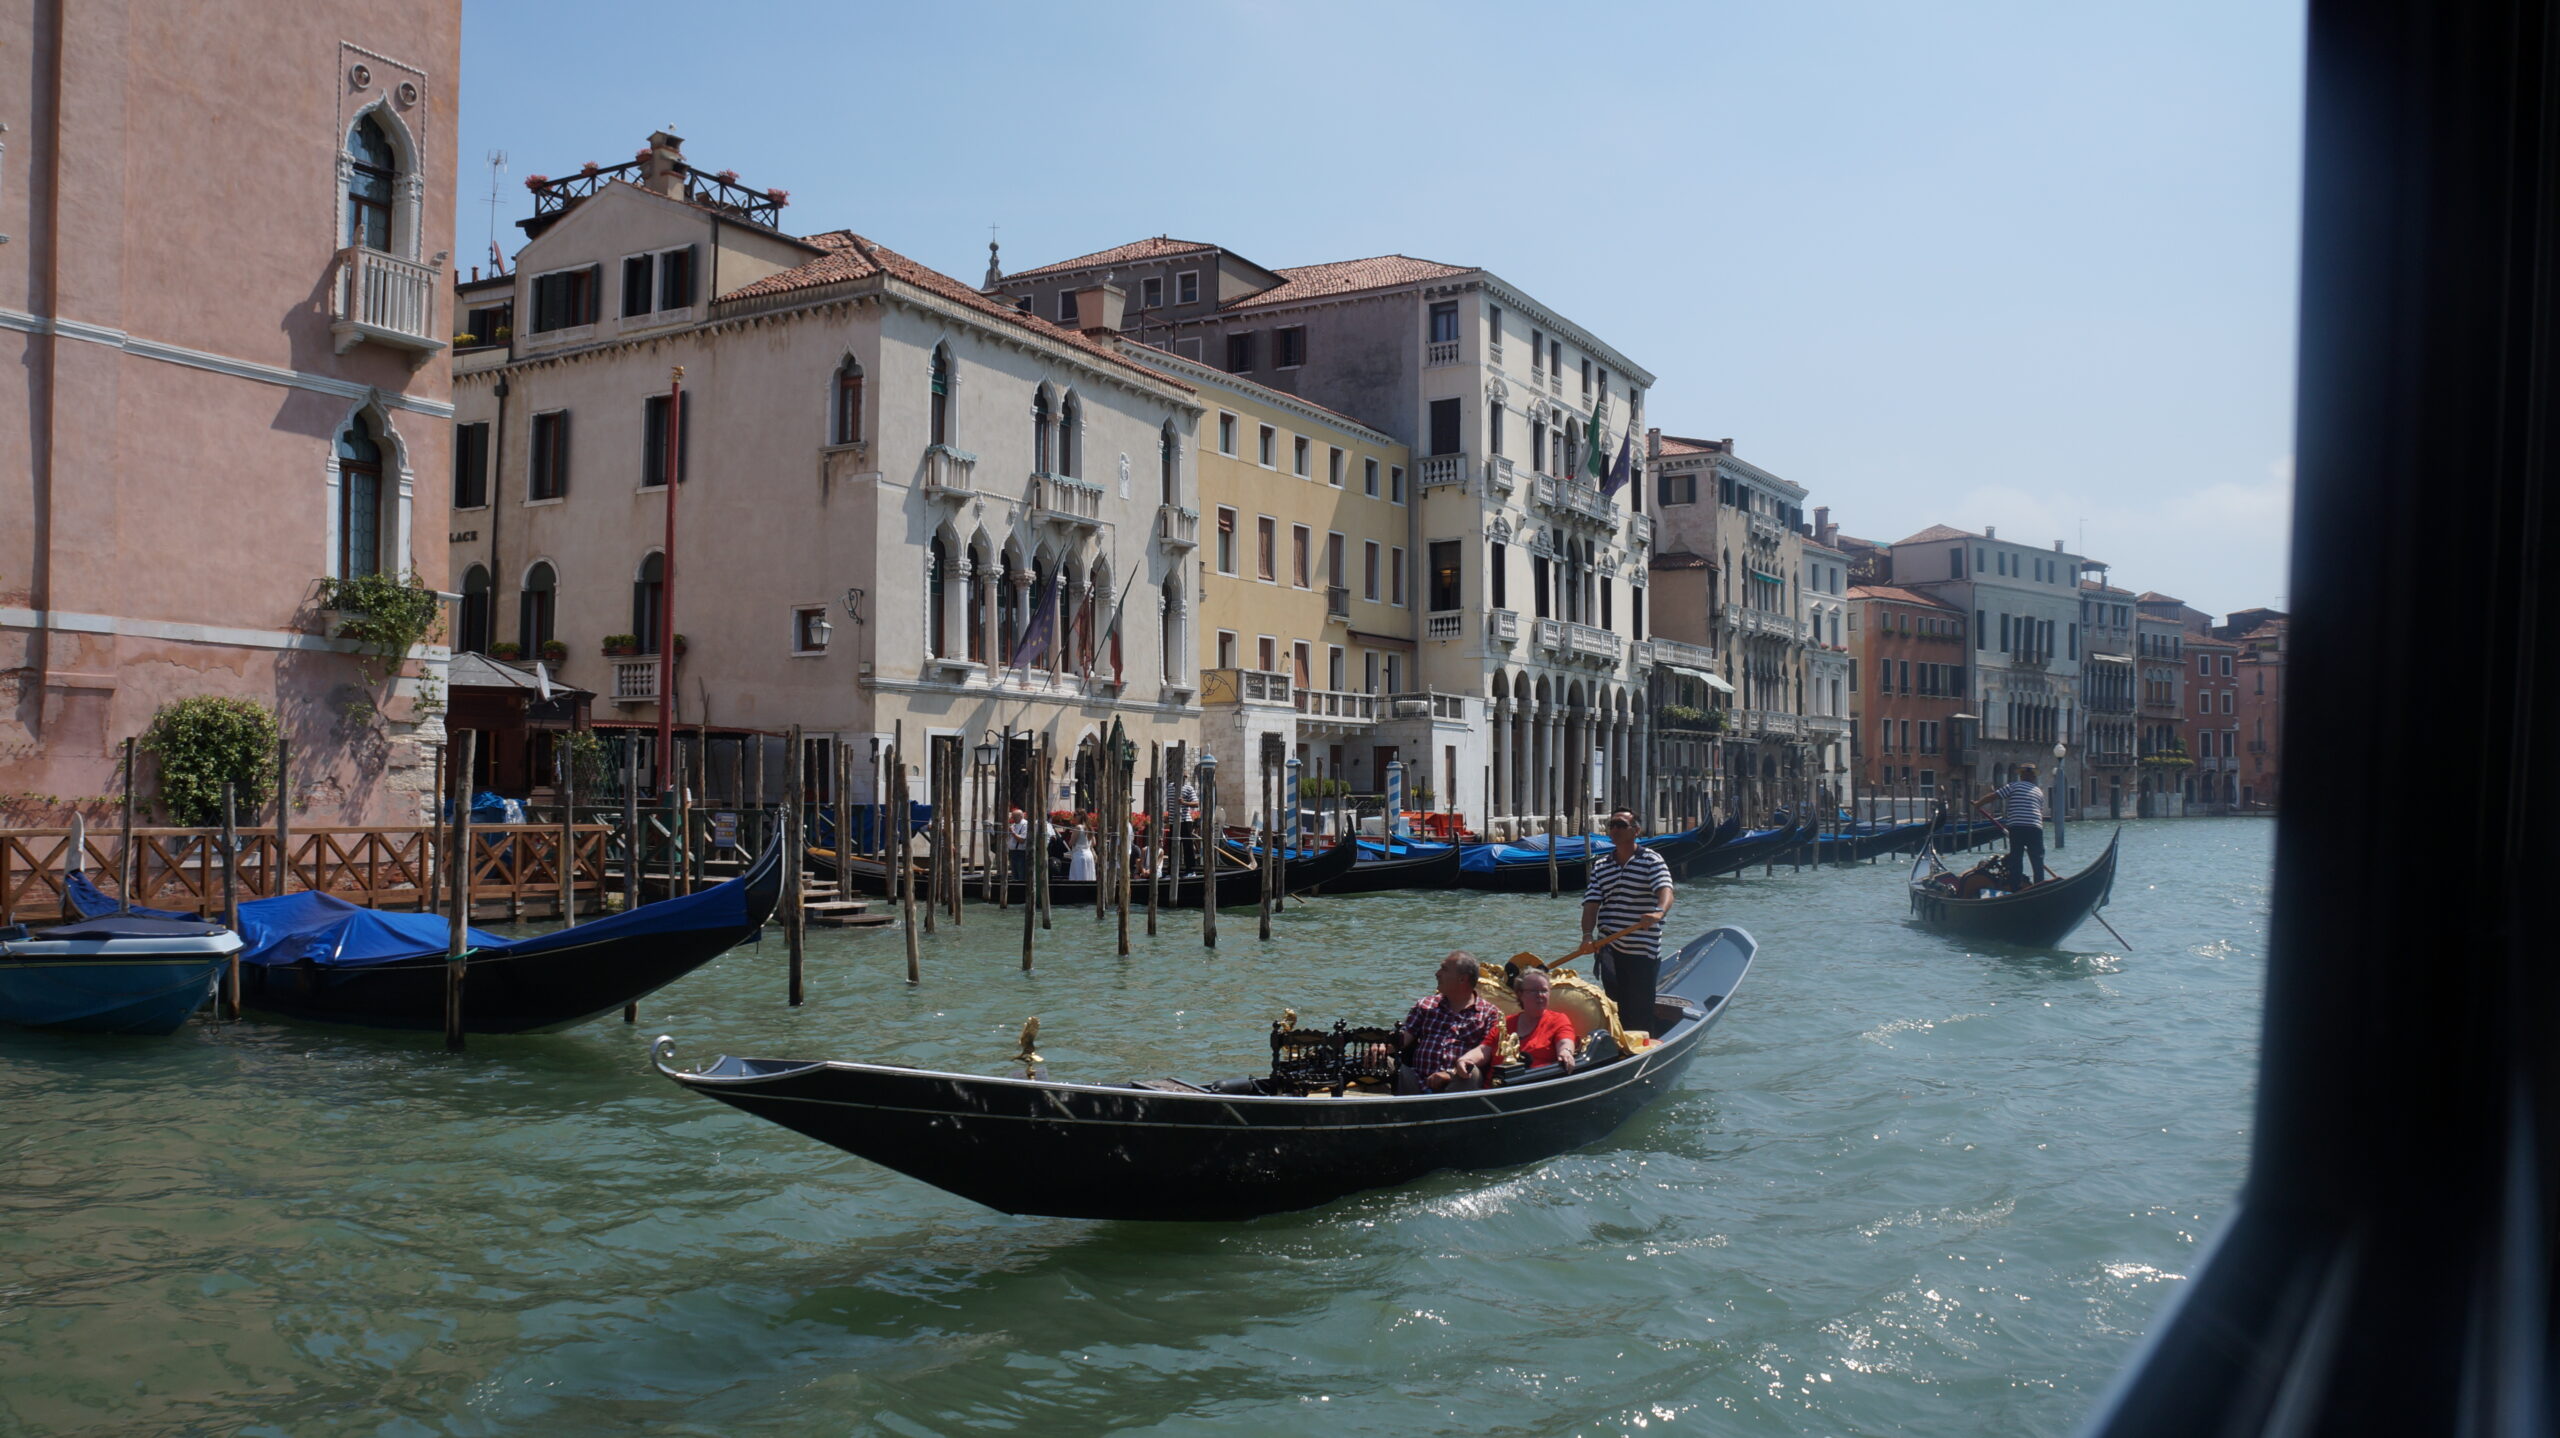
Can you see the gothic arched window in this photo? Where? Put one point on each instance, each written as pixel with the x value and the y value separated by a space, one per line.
pixel 537 606
pixel 941 417
pixel 1169 462
pixel 359 501
pixel 1070 419
pixel 648 602
pixel 847 428
pixel 475 610
pixel 373 177
pixel 1043 429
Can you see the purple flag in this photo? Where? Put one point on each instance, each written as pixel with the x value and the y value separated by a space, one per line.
pixel 1625 468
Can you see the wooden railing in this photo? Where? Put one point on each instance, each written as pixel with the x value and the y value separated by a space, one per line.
pixel 379 867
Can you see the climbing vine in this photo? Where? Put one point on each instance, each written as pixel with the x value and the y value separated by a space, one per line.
pixel 389 615
pixel 205 742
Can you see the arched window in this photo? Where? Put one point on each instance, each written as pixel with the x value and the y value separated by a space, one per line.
pixel 1169 647
pixel 941 418
pixel 373 176
pixel 937 601
pixel 977 618
pixel 359 501
pixel 475 610
pixel 1169 463
pixel 1043 425
pixel 649 602
pixel 848 403
pixel 1008 612
pixel 1070 419
pixel 536 606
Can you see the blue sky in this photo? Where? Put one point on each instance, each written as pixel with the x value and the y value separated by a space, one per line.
pixel 2027 265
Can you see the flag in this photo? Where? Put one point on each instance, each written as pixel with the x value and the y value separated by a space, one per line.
pixel 1625 468
pixel 1033 648
pixel 1102 640
pixel 1595 458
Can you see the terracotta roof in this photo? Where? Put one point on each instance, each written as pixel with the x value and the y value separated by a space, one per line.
pixel 1937 532
pixel 1897 595
pixel 2154 596
pixel 2205 641
pixel 1153 248
pixel 1342 277
pixel 2094 587
pixel 1678 559
pixel 1674 444
pixel 848 256
pixel 1853 543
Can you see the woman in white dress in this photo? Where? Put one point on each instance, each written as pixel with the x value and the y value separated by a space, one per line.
pixel 1079 854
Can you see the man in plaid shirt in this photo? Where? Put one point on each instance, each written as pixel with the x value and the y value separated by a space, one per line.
pixel 1445 1025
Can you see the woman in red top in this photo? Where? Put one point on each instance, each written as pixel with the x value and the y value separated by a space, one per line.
pixel 1546 1035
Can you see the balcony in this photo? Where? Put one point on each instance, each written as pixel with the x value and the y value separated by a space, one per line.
pixel 2030 658
pixel 1672 651
pixel 1499 475
pixel 1567 640
pixel 949 473
pixel 385 299
pixel 1764 622
pixel 1337 706
pixel 1244 686
pixel 1177 528
pixel 1571 501
pixel 1555 382
pixel 1439 352
pixel 1337 601
pixel 1639 530
pixel 1444 624
pixel 1502 625
pixel 1429 705
pixel 1824 726
pixel 635 681
pixel 1773 724
pixel 1765 530
pixel 1444 471
pixel 1066 503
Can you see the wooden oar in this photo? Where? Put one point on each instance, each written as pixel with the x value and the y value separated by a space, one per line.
pixel 1532 961
pixel 2110 928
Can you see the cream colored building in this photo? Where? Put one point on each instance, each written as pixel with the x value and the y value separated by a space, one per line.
pixel 903 503
pixel 1306 581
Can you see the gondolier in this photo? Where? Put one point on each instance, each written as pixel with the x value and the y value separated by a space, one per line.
pixel 2021 815
pixel 1630 884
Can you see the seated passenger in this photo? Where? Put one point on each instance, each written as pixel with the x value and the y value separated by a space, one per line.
pixel 1443 1028
pixel 1545 1033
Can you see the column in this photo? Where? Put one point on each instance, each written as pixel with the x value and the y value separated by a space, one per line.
pixel 1494 737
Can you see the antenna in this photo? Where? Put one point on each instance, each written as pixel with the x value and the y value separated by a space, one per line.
pixel 497 167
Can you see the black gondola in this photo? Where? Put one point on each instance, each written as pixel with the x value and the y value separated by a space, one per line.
pixel 536 985
pixel 1742 852
pixel 1436 868
pixel 1239 883
pixel 1163 1149
pixel 2037 917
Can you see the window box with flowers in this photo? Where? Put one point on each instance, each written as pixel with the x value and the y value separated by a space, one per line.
pixel 554 651
pixel 506 649
pixel 621 646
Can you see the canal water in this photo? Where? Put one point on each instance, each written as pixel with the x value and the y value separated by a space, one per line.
pixel 1907 1188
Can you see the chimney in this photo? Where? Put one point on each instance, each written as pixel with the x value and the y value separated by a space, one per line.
pixel 661 170
pixel 2057 546
pixel 1099 306
pixel 1991 531
pixel 1822 530
pixel 1653 443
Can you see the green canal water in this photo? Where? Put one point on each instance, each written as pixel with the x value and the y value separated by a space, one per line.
pixel 1906 1188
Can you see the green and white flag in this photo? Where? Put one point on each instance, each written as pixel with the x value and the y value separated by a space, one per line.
pixel 1595 457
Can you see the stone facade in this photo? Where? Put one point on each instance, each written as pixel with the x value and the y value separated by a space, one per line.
pixel 2106 779
pixel 1530 581
pixel 905 507
pixel 2025 660
pixel 234 381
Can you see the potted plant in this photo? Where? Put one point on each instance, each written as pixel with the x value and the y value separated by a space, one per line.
pixel 621 646
pixel 554 651
pixel 504 334
pixel 465 340
pixel 506 649
pixel 679 646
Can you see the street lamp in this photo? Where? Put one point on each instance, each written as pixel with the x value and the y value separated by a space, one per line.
pixel 988 750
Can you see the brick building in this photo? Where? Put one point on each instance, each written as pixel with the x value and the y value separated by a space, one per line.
pixel 1907 664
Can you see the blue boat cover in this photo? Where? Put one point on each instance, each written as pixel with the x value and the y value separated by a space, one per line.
pixel 133 926
pixel 331 932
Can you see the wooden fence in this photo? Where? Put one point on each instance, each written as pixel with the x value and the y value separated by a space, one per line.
pixel 514 867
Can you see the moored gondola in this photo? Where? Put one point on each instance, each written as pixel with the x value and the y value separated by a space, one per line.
pixel 1433 866
pixel 114 973
pixel 1743 851
pixel 324 960
pixel 1164 1149
pixel 2038 916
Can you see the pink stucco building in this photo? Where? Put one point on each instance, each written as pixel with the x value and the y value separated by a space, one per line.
pixel 222 299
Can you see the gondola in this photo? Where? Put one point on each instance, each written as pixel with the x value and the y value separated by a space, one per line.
pixel 1509 869
pixel 113 973
pixel 1741 852
pixel 1423 866
pixel 2037 917
pixel 324 960
pixel 1165 1149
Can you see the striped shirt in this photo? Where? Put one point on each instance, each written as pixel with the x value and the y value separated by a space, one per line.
pixel 1625 893
pixel 2022 803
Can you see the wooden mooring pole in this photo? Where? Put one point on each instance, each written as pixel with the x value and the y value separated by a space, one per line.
pixel 231 896
pixel 125 866
pixel 1155 832
pixel 460 863
pixel 795 852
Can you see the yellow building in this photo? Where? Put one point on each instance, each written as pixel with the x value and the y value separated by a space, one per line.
pixel 1308 575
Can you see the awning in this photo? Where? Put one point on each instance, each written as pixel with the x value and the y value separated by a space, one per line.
pixel 2113 658
pixel 1703 676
